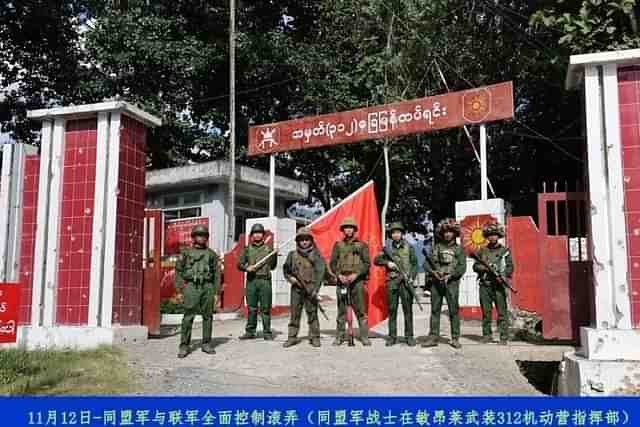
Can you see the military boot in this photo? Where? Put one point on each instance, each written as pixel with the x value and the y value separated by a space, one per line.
pixel 432 341
pixel 247 336
pixel 486 339
pixel 504 341
pixel 364 332
pixel 411 341
pixel 290 342
pixel 268 337
pixel 183 352
pixel 315 342
pixel 390 341
pixel 455 343
pixel 208 348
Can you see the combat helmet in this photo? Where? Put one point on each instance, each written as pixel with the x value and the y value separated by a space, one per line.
pixel 448 224
pixel 257 228
pixel 348 222
pixel 304 232
pixel 396 226
pixel 200 230
pixel 493 228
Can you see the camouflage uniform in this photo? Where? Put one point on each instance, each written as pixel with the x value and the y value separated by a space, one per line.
pixel 491 291
pixel 447 258
pixel 351 257
pixel 258 289
pixel 308 265
pixel 405 255
pixel 198 273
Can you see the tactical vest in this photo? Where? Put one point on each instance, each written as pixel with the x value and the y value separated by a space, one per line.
pixel 197 266
pixel 304 267
pixel 402 257
pixel 349 258
pixel 495 259
pixel 446 258
pixel 257 253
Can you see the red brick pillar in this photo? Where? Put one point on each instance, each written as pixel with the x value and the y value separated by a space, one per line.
pixel 90 212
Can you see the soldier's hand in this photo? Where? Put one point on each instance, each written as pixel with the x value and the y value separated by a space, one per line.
pixel 352 277
pixel 392 265
pixel 251 269
pixel 343 279
pixel 293 280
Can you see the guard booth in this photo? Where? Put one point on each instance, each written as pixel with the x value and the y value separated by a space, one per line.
pixel 76 226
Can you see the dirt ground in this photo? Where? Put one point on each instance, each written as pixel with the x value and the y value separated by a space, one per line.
pixel 259 367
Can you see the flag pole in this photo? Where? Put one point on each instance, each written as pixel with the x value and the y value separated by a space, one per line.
pixel 321 217
pixel 387 188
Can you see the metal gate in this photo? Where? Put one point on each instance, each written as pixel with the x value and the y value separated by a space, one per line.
pixel 565 264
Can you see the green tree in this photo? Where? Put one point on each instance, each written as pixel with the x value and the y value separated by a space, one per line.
pixel 591 25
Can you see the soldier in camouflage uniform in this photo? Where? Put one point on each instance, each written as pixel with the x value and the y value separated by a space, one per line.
pixel 491 290
pixel 307 264
pixel 198 275
pixel 258 290
pixel 350 264
pixel 404 254
pixel 447 264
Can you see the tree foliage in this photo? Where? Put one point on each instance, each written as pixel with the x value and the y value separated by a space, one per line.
pixel 305 57
pixel 592 25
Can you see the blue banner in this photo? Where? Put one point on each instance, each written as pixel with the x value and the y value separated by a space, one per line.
pixel 319 411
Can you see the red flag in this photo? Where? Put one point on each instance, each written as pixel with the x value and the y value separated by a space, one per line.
pixel 362 206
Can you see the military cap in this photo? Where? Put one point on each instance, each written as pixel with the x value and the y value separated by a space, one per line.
pixel 348 222
pixel 448 224
pixel 396 226
pixel 493 228
pixel 257 228
pixel 200 230
pixel 304 232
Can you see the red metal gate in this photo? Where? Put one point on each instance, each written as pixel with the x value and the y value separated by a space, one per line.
pixel 565 264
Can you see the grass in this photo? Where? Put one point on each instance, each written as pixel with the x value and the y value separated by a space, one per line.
pixel 102 371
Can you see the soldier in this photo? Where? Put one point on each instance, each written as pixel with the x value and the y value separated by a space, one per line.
pixel 492 291
pixel 258 291
pixel 403 259
pixel 304 263
pixel 350 263
pixel 447 264
pixel 198 275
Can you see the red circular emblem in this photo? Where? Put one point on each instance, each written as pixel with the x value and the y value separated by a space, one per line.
pixel 476 105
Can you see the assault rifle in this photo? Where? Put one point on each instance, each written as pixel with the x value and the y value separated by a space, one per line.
pixel 493 273
pixel 433 270
pixel 408 283
pixel 313 297
pixel 349 318
pixel 342 287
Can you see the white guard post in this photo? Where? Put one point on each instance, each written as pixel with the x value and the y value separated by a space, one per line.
pixel 469 291
pixel 87 272
pixel 608 361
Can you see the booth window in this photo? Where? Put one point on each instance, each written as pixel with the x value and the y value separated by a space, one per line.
pixel 171 214
pixel 183 199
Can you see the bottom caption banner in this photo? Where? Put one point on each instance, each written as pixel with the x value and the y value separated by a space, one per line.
pixel 319 411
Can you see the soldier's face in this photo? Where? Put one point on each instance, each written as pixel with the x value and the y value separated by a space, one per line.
pixel 348 232
pixel 448 236
pixel 257 237
pixel 396 235
pixel 304 243
pixel 200 240
pixel 493 239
